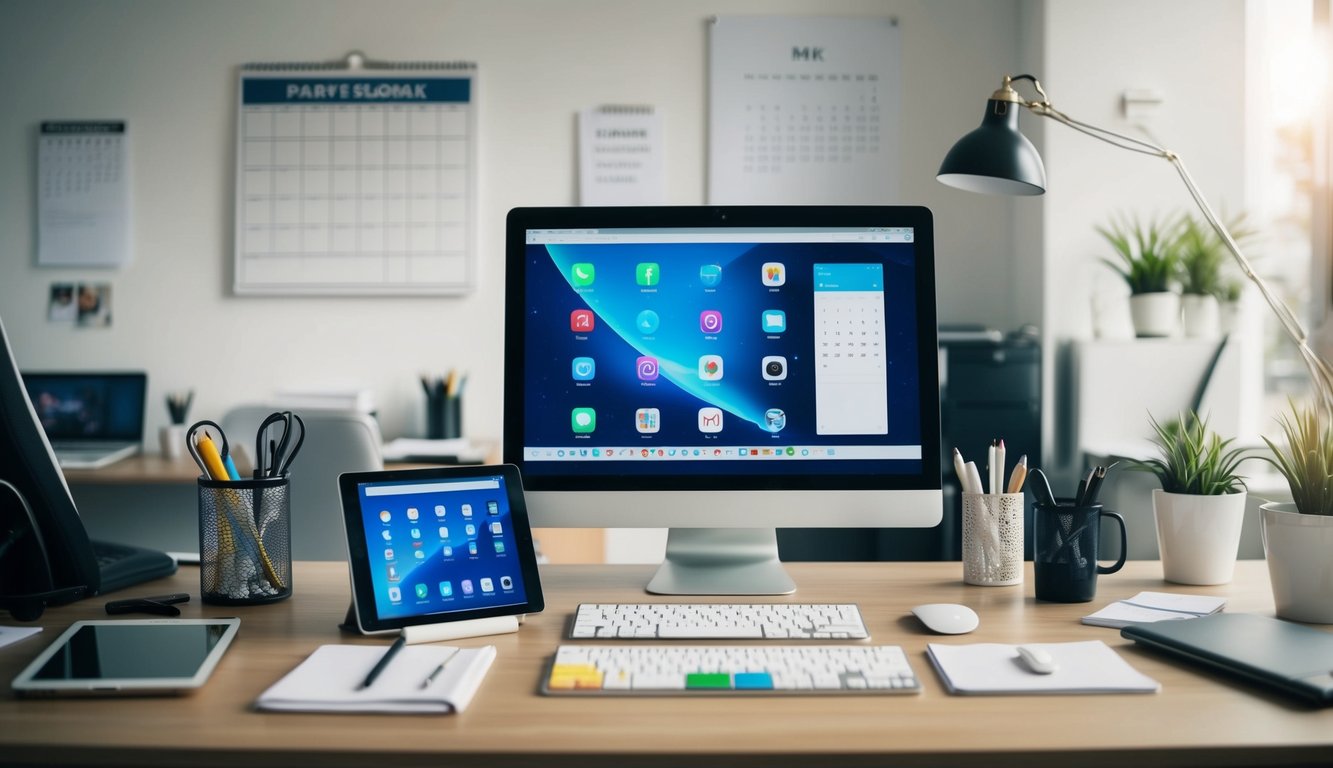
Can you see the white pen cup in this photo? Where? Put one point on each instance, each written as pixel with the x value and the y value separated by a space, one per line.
pixel 993 539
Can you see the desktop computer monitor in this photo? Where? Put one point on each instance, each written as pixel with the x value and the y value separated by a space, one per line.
pixel 723 372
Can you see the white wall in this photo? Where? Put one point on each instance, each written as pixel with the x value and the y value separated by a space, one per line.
pixel 169 67
pixel 1192 52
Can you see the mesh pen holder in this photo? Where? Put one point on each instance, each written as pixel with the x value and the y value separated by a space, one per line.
pixel 245 541
pixel 993 539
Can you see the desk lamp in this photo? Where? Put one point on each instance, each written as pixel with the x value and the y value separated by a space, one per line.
pixel 997 159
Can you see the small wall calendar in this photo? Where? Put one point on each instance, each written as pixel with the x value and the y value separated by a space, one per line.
pixel 356 178
pixel 83 194
pixel 803 110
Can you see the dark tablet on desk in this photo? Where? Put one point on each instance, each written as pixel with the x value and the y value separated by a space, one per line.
pixel 428 546
pixel 128 657
pixel 1293 658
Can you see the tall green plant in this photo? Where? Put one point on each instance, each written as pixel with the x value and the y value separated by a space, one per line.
pixel 1146 254
pixel 1306 461
pixel 1202 253
pixel 1194 460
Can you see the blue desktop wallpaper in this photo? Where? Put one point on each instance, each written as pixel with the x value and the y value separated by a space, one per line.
pixel 679 293
pixel 439 579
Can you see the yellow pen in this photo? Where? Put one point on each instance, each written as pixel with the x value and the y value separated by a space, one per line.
pixel 208 453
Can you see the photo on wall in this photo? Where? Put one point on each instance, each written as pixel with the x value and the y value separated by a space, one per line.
pixel 94 305
pixel 61 307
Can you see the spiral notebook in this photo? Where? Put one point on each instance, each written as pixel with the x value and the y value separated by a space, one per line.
pixel 356 177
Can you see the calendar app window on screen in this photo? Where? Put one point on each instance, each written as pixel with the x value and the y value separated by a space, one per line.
pixel 851 371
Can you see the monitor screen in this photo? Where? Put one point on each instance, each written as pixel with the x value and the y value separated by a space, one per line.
pixel 753 351
pixel 88 406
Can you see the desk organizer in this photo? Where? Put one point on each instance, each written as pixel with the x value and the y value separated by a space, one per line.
pixel 993 539
pixel 245 541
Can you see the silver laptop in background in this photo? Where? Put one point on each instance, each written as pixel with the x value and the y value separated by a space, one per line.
pixel 91 418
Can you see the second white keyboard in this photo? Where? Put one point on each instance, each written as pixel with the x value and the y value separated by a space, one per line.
pixel 663 670
pixel 718 621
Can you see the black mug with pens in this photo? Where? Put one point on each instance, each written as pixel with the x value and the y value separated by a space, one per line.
pixel 1067 535
pixel 1064 564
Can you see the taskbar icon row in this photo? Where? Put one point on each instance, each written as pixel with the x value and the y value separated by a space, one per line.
pixel 724 453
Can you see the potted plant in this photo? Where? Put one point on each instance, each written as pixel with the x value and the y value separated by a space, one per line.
pixel 1298 535
pixel 1201 504
pixel 1201 254
pixel 1147 261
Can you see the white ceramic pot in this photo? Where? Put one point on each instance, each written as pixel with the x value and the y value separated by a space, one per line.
pixel 1155 314
pixel 1198 536
pixel 1200 316
pixel 1299 550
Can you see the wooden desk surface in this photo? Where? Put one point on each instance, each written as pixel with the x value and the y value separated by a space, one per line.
pixel 1198 718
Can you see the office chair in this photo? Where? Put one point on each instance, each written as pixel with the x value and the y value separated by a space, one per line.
pixel 336 442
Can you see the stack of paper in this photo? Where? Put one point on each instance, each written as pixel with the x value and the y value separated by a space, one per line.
pixel 457 450
pixel 329 680
pixel 1086 667
pixel 1154 606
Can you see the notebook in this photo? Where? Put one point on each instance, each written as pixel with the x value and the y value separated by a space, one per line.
pixel 1155 606
pixel 1292 658
pixel 329 680
pixel 91 419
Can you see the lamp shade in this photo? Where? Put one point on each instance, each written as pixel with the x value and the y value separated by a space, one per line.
pixel 995 158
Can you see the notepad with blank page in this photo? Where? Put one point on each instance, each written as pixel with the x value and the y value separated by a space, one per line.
pixel 329 680
pixel 1154 606
pixel 995 668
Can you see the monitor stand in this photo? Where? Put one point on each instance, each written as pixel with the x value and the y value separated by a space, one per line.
pixel 721 561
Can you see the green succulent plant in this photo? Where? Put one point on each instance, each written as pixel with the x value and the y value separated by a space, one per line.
pixel 1306 461
pixel 1146 254
pixel 1194 459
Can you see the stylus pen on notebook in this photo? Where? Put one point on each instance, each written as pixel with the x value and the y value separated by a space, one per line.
pixel 436 673
pixel 384 660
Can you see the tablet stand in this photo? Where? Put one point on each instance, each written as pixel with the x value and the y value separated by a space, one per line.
pixel 447 630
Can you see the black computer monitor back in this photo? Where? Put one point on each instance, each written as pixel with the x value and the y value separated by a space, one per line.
pixel 27 462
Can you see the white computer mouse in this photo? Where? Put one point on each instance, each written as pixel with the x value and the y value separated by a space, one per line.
pixel 947 618
pixel 1038 660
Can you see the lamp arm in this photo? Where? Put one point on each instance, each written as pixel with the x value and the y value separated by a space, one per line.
pixel 1321 375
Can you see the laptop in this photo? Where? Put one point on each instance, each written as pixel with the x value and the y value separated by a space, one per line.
pixel 91 419
pixel 1290 657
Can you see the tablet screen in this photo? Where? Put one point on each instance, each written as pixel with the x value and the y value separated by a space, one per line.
pixel 123 651
pixel 442 544
pixel 128 656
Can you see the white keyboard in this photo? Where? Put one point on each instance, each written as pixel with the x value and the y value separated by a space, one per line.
pixel 718 621
pixel 660 670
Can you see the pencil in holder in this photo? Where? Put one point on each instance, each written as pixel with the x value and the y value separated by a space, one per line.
pixel 245 541
pixel 993 539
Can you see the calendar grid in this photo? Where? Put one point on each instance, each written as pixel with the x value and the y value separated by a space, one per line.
pixel 342 191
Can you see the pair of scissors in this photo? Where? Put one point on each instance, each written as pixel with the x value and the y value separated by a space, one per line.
pixel 281 451
pixel 205 451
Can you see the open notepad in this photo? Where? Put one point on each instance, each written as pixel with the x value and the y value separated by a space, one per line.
pixel 329 680
pixel 1155 606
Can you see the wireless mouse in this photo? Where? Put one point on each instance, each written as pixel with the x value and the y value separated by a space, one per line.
pixel 1037 659
pixel 947 618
